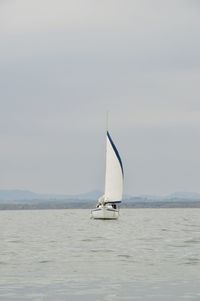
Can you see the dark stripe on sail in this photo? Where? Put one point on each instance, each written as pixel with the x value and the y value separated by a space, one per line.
pixel 116 152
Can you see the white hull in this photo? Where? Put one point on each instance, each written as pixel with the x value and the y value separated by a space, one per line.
pixel 105 213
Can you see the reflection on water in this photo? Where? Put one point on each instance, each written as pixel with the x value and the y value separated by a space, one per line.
pixel 148 254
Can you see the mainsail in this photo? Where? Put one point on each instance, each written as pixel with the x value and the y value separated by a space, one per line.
pixel 114 173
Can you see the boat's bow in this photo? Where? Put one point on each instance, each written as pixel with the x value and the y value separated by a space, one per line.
pixel 105 212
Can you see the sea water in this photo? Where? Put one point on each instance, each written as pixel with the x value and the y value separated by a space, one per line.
pixel 148 254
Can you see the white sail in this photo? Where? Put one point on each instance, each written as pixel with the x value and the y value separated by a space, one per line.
pixel 114 173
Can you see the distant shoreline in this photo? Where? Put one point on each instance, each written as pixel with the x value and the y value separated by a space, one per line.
pixel 28 200
pixel 89 205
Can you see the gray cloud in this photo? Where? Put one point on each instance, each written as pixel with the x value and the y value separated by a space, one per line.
pixel 64 63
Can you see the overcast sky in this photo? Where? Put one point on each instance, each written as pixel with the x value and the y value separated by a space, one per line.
pixel 64 63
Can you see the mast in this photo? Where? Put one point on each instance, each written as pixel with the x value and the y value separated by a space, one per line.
pixel 107 116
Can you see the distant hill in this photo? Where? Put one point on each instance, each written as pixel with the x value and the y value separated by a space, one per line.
pixel 17 195
pixel 24 199
pixel 26 195
pixel 185 195
pixel 176 196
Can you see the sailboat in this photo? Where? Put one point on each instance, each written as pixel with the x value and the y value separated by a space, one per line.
pixel 107 205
